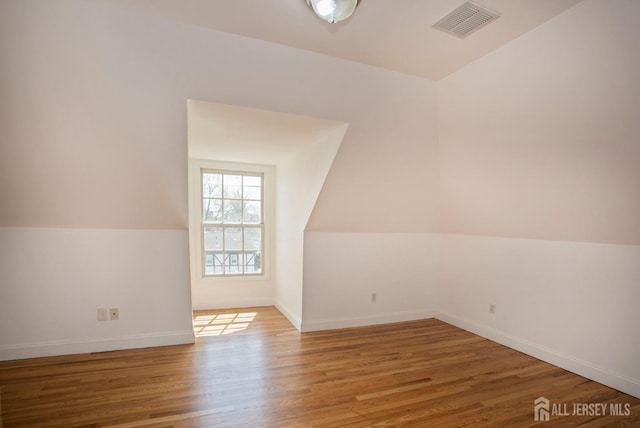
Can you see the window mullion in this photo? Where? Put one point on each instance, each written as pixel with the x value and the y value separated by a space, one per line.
pixel 243 253
pixel 224 231
pixel 203 245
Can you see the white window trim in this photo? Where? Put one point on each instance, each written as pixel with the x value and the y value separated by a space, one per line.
pixel 195 217
pixel 241 225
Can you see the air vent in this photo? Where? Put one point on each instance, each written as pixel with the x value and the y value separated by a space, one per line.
pixel 466 19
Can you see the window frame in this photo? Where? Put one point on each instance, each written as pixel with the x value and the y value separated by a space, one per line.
pixel 196 248
pixel 223 225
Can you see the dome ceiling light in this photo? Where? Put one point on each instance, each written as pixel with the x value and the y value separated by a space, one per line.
pixel 333 11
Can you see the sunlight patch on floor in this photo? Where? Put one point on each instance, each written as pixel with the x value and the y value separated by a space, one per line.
pixel 221 324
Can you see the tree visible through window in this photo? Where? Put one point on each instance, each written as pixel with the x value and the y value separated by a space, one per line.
pixel 232 222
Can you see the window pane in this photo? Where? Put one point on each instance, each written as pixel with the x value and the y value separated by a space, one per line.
pixel 253 262
pixel 212 210
pixel 233 263
pixel 218 263
pixel 252 238
pixel 232 238
pixel 232 211
pixel 251 214
pixel 213 263
pixel 213 238
pixel 211 185
pixel 233 186
pixel 252 188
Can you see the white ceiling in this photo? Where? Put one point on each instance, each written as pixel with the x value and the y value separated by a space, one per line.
pixel 396 35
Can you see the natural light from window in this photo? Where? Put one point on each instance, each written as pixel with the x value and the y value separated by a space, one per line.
pixel 205 325
pixel 232 223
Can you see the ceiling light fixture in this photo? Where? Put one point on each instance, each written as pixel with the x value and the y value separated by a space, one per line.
pixel 333 11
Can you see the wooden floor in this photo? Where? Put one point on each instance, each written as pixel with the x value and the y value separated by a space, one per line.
pixel 250 368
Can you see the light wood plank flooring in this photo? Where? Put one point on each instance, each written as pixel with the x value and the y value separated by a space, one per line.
pixel 251 368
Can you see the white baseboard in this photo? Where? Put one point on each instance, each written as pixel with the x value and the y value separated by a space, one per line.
pixel 333 324
pixel 576 365
pixel 48 349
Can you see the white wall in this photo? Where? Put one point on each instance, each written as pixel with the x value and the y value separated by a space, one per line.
pixel 53 281
pixel 299 180
pixel 344 269
pixel 540 167
pixel 378 208
pixel 574 304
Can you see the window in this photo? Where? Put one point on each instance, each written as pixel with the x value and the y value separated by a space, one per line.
pixel 232 223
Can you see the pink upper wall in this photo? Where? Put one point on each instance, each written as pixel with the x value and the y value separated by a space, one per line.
pixel 93 119
pixel 536 140
pixel 539 139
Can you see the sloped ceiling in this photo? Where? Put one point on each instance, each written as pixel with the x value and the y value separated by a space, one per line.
pixel 396 35
pixel 239 134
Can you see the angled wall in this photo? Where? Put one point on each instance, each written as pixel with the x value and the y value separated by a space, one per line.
pixel 299 181
pixel 374 227
pixel 540 174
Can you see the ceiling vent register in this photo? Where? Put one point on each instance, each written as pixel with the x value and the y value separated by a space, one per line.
pixel 466 19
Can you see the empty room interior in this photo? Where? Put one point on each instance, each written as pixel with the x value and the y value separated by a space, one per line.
pixel 243 214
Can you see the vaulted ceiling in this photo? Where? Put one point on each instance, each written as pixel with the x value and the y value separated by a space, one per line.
pixel 396 35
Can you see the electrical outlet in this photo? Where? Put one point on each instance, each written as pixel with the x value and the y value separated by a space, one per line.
pixel 103 314
pixel 374 297
pixel 114 314
pixel 492 308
